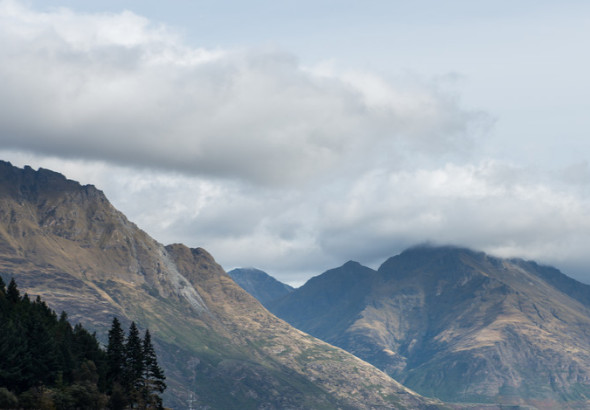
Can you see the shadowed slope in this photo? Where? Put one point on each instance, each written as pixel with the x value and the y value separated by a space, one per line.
pixel 259 284
pixel 457 324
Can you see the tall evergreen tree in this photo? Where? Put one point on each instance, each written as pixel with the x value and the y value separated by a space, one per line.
pixel 153 375
pixel 4 303
pixel 116 354
pixel 16 362
pixel 63 335
pixel 43 348
pixel 12 292
pixel 86 346
pixel 133 365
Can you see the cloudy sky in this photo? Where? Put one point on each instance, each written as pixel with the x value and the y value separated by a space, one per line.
pixel 293 136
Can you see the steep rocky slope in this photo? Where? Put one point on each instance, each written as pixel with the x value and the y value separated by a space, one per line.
pixel 259 284
pixel 218 345
pixel 458 325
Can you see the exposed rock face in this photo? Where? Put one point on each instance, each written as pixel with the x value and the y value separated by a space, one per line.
pixel 456 324
pixel 68 244
pixel 259 284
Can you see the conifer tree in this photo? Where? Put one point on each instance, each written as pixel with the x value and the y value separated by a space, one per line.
pixel 86 346
pixel 16 363
pixel 12 292
pixel 133 364
pixel 116 354
pixel 153 375
pixel 49 364
pixel 4 304
pixel 63 335
pixel 43 348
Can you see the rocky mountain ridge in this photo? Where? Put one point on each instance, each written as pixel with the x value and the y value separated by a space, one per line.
pixel 218 345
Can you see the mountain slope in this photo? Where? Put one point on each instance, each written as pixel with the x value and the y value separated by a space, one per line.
pixel 327 304
pixel 460 325
pixel 67 243
pixel 259 284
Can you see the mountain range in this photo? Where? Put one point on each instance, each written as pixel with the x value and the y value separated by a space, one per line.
pixel 219 347
pixel 457 324
pixel 450 323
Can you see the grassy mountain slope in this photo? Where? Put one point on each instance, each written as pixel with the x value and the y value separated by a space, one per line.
pixel 67 243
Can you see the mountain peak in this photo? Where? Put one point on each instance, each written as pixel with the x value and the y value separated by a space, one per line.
pixel 434 262
pixel 351 264
pixel 260 284
pixel 26 183
pixel 250 271
pixel 196 261
pixel 429 249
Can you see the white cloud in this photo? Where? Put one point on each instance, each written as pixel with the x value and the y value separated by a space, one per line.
pixel 492 206
pixel 264 161
pixel 117 87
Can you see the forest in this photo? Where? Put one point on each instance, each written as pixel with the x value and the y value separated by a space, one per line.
pixel 45 363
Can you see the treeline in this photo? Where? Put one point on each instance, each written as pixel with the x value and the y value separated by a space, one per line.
pixel 45 363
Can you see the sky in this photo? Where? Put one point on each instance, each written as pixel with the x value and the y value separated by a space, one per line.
pixel 293 136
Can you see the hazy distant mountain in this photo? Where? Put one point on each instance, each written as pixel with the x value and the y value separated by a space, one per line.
pixel 217 344
pixel 259 284
pixel 456 324
pixel 327 304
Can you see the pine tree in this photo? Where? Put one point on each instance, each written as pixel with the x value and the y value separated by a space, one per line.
pixel 63 335
pixel 133 365
pixel 43 348
pixel 153 375
pixel 115 354
pixel 16 362
pixel 86 346
pixel 4 304
pixel 12 292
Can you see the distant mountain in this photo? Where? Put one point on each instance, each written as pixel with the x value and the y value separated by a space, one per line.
pixel 457 324
pixel 219 347
pixel 259 284
pixel 327 304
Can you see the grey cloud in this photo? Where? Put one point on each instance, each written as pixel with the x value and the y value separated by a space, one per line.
pixel 296 233
pixel 83 87
pixel 482 206
pixel 493 206
pixel 266 162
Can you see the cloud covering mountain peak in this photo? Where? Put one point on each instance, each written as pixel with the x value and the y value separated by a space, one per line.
pixel 295 159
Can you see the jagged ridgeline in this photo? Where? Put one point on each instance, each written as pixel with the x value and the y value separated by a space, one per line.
pixel 457 324
pixel 220 348
pixel 47 363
